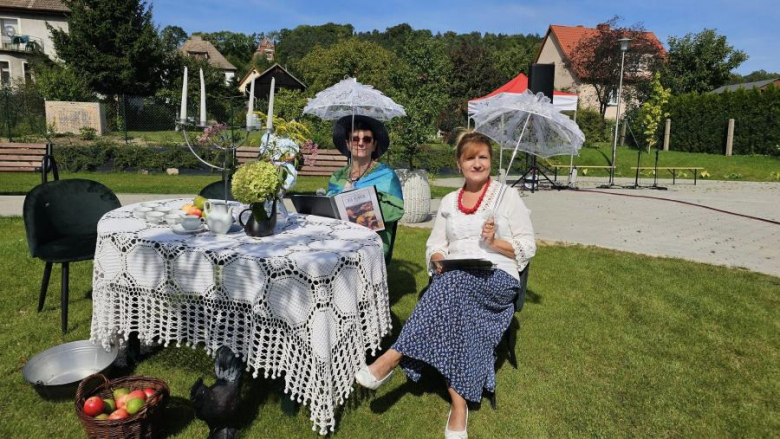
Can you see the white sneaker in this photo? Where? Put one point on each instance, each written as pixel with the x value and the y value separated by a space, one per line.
pixel 367 380
pixel 449 434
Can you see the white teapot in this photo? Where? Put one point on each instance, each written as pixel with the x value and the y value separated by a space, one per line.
pixel 219 216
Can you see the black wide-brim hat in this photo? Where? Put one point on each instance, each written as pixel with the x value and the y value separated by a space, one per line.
pixel 343 127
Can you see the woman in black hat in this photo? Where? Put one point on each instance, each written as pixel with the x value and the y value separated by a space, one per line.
pixel 363 145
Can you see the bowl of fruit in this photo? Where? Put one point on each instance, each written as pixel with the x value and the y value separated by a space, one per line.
pixel 56 372
pixel 124 407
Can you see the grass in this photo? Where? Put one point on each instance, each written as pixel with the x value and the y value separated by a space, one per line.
pixel 741 168
pixel 19 183
pixel 611 345
pixel 130 183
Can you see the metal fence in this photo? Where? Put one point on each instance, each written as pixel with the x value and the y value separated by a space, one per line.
pixel 129 119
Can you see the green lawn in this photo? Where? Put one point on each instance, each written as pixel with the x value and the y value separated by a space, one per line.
pixel 17 183
pixel 611 345
pixel 130 183
pixel 741 168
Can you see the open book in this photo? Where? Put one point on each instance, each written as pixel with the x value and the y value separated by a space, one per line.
pixel 465 264
pixel 359 206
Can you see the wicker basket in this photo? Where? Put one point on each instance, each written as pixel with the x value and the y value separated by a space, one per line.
pixel 143 424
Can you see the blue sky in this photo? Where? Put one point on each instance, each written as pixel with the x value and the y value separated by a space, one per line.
pixel 749 25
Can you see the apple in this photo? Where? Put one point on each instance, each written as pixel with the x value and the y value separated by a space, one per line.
pixel 119 392
pixel 194 211
pixel 149 392
pixel 109 405
pixel 134 405
pixel 186 207
pixel 122 401
pixel 102 416
pixel 137 394
pixel 119 414
pixel 93 406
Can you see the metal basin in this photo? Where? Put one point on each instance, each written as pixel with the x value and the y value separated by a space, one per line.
pixel 57 372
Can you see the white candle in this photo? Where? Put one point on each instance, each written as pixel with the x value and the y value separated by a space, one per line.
pixel 250 114
pixel 202 99
pixel 183 115
pixel 270 125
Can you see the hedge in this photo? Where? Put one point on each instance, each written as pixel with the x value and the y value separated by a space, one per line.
pixel 700 122
pixel 117 157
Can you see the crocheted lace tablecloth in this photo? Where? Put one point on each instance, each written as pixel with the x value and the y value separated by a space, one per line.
pixel 305 303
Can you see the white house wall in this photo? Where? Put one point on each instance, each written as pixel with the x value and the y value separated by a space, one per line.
pixel 33 25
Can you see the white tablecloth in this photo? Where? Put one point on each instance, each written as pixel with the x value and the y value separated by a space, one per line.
pixel 305 303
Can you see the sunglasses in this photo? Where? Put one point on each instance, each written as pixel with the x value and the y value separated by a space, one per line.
pixel 366 139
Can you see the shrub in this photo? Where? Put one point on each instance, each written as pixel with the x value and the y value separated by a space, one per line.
pixel 87 133
pixel 82 158
pixel 700 122
pixel 594 127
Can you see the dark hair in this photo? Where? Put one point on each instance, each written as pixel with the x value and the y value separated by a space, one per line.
pixel 468 137
pixel 363 126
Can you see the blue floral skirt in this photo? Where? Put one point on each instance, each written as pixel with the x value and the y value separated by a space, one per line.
pixel 456 327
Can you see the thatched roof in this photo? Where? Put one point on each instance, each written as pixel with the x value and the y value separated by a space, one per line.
pixel 196 45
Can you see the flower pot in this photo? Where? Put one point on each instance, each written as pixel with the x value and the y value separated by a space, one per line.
pixel 417 195
pixel 262 220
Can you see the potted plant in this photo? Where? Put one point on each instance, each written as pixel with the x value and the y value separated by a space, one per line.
pixel 257 184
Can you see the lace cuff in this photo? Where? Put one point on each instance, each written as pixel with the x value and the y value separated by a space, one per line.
pixel 523 252
pixel 431 252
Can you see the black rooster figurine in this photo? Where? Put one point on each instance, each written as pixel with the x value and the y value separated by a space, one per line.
pixel 218 404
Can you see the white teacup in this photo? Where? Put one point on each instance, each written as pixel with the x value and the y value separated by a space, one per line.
pixel 140 212
pixel 190 222
pixel 154 217
pixel 150 204
pixel 164 209
pixel 172 219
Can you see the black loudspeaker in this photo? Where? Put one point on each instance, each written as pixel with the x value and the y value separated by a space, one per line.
pixel 541 78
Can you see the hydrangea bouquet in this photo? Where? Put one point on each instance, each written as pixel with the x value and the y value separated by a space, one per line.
pixel 255 183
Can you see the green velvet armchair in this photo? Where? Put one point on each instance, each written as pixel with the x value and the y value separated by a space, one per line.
pixel 60 218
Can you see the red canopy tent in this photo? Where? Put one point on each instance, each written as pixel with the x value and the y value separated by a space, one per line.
pixel 561 100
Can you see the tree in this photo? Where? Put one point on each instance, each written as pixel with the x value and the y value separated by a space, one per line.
pixel 172 37
pixel 596 59
pixel 368 62
pixel 113 45
pixel 238 48
pixel 56 82
pixel 294 44
pixel 653 111
pixel 700 62
pixel 756 75
pixel 421 84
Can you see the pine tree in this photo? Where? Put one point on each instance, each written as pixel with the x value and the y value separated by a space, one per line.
pixel 113 45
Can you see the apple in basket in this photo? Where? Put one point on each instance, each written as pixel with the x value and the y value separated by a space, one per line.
pixel 93 406
pixel 149 392
pixel 119 414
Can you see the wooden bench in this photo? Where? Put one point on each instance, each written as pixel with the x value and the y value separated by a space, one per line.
pixel 326 161
pixel 22 157
pixel 556 167
pixel 672 169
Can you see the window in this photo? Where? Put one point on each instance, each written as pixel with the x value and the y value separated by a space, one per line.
pixel 612 98
pixel 28 79
pixel 5 73
pixel 9 27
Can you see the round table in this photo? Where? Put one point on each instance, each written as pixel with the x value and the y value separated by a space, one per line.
pixel 305 303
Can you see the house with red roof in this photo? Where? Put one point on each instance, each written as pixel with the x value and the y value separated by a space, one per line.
pixel 558 47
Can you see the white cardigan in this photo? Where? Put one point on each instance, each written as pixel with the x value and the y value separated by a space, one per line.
pixel 457 235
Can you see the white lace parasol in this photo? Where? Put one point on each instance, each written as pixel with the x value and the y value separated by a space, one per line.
pixel 348 98
pixel 529 123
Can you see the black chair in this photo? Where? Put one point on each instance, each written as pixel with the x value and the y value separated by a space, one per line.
pixel 60 218
pixel 510 336
pixel 216 191
pixel 394 227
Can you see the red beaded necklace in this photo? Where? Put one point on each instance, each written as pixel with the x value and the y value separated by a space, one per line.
pixel 466 210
